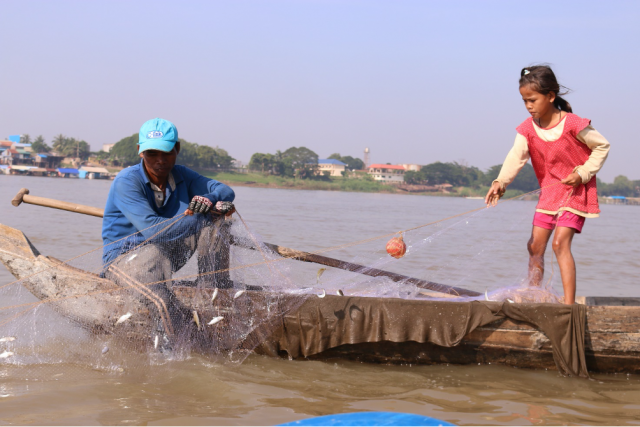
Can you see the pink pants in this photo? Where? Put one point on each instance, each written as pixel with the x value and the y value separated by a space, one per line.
pixel 562 219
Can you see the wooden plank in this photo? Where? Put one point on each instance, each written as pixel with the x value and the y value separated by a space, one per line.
pixel 531 340
pixel 613 319
pixel 429 354
pixel 613 343
pixel 610 301
pixel 613 363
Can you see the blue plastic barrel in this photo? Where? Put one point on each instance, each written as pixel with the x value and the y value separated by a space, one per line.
pixel 370 419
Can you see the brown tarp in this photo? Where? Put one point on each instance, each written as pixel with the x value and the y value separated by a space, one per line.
pixel 321 324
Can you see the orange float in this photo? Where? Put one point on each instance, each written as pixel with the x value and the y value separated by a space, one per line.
pixel 396 247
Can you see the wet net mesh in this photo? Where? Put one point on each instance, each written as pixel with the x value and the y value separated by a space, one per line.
pixel 215 288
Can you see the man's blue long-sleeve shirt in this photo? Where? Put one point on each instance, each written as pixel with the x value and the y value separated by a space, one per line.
pixel 131 207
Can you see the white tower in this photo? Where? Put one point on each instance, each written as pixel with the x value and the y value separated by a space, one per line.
pixel 367 160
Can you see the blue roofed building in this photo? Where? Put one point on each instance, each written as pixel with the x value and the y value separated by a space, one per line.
pixel 47 160
pixel 90 172
pixel 333 166
pixel 68 172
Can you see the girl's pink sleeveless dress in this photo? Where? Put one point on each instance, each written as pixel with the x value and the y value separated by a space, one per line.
pixel 554 160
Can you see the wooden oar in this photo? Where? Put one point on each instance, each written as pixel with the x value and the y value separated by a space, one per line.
pixel 23 196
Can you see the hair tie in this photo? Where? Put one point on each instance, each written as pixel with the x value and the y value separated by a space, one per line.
pixel 526 72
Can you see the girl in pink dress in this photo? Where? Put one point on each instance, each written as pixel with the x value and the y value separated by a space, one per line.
pixel 566 152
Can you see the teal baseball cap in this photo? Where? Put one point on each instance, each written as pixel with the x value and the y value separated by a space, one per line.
pixel 157 134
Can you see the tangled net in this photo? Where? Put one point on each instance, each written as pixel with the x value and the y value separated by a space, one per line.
pixel 221 291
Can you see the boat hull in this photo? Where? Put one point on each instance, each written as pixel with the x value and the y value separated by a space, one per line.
pixel 358 328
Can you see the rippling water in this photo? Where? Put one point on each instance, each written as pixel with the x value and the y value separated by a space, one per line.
pixel 481 252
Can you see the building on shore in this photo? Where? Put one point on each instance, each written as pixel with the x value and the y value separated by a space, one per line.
pixel 412 167
pixel 24 147
pixel 68 172
pixel 15 156
pixel 619 200
pixel 38 171
pixel 387 174
pixel 90 172
pixel 47 161
pixel 15 169
pixel 5 145
pixel 333 166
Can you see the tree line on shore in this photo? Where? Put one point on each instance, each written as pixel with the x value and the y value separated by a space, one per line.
pixel 125 151
pixel 460 175
pixel 61 144
pixel 298 162
pixel 301 162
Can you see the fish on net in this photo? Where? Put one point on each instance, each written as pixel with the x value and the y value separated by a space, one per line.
pixel 221 291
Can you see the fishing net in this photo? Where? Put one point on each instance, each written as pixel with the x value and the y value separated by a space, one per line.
pixel 187 284
pixel 210 285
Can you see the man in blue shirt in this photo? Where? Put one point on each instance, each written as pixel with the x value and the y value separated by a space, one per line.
pixel 158 214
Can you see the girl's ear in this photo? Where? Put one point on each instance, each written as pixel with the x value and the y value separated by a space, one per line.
pixel 551 97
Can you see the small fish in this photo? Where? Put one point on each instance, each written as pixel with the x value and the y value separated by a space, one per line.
pixel 123 318
pixel 324 294
pixel 196 319
pixel 215 320
pixel 486 295
pixel 340 293
pixel 215 294
pixel 322 270
pixel 6 354
pixel 509 300
pixel 155 342
pixel 7 339
pixel 238 294
pixel 132 257
pixel 105 350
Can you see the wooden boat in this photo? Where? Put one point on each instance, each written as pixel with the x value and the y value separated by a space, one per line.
pixel 601 335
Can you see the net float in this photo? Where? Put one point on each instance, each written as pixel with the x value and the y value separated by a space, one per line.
pixel 396 247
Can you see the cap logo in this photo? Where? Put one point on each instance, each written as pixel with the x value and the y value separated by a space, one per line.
pixel 155 134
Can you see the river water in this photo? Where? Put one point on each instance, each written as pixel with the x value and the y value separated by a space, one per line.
pixel 481 251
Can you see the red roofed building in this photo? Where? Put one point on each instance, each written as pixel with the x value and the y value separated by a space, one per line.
pixel 387 174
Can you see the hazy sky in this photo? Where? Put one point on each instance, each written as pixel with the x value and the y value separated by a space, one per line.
pixel 416 81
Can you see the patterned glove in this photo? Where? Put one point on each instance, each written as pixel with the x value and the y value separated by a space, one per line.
pixel 225 207
pixel 200 204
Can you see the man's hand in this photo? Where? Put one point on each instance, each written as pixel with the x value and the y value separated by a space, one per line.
pixel 573 180
pixel 199 204
pixel 225 208
pixel 494 194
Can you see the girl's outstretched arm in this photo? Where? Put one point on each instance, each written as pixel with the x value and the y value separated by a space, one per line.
pixel 516 159
pixel 493 195
pixel 518 156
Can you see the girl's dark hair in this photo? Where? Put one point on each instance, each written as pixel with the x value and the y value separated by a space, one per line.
pixel 542 80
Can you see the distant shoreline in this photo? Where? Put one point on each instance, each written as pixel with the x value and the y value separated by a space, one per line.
pixel 348 185
pixel 370 187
